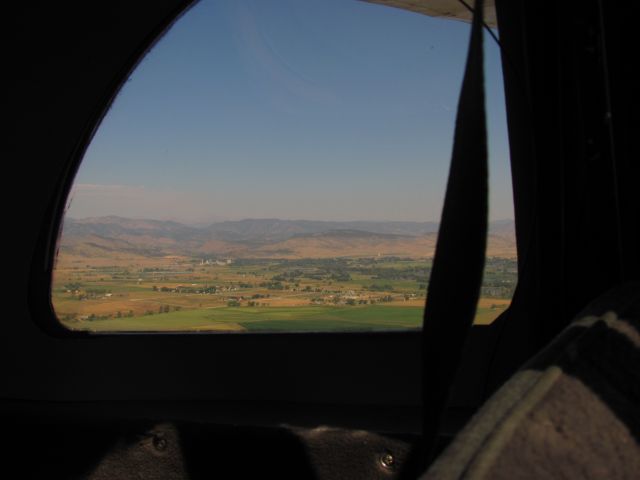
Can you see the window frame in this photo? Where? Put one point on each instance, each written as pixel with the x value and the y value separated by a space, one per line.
pixel 380 369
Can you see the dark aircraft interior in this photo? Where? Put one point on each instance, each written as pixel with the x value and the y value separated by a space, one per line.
pixel 551 389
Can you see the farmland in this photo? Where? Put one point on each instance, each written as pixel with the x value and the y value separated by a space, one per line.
pixel 128 292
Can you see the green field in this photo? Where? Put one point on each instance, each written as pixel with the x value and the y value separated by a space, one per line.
pixel 277 319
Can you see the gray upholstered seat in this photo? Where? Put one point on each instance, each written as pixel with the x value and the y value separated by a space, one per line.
pixel 573 412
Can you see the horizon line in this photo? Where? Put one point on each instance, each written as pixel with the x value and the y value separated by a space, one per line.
pixel 186 222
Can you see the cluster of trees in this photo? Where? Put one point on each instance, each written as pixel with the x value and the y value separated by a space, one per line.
pixel 360 301
pixel 250 303
pixel 164 309
pixel 340 276
pixel 203 290
pixel 500 277
pixel 87 294
pixel 374 287
pixel 416 273
pixel 94 316
pixel 288 276
pixel 491 291
pixel 348 301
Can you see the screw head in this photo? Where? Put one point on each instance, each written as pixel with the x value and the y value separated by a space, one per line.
pixel 159 443
pixel 387 460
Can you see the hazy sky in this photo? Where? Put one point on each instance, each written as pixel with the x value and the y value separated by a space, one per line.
pixel 314 109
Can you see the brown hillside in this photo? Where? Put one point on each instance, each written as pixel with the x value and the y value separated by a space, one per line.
pixel 327 246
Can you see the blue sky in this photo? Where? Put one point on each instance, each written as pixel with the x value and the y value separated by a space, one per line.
pixel 314 109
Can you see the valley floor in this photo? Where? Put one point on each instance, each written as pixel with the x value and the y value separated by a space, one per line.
pixel 140 294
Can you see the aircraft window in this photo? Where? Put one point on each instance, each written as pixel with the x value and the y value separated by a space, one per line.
pixel 278 166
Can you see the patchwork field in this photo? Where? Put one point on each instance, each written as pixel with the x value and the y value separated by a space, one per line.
pixel 179 293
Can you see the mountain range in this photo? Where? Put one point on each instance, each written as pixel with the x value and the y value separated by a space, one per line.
pixel 268 238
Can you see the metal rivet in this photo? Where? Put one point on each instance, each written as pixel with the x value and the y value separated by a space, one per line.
pixel 159 443
pixel 387 460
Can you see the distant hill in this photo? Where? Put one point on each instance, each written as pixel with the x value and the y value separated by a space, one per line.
pixel 275 238
pixel 351 243
pixel 269 230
